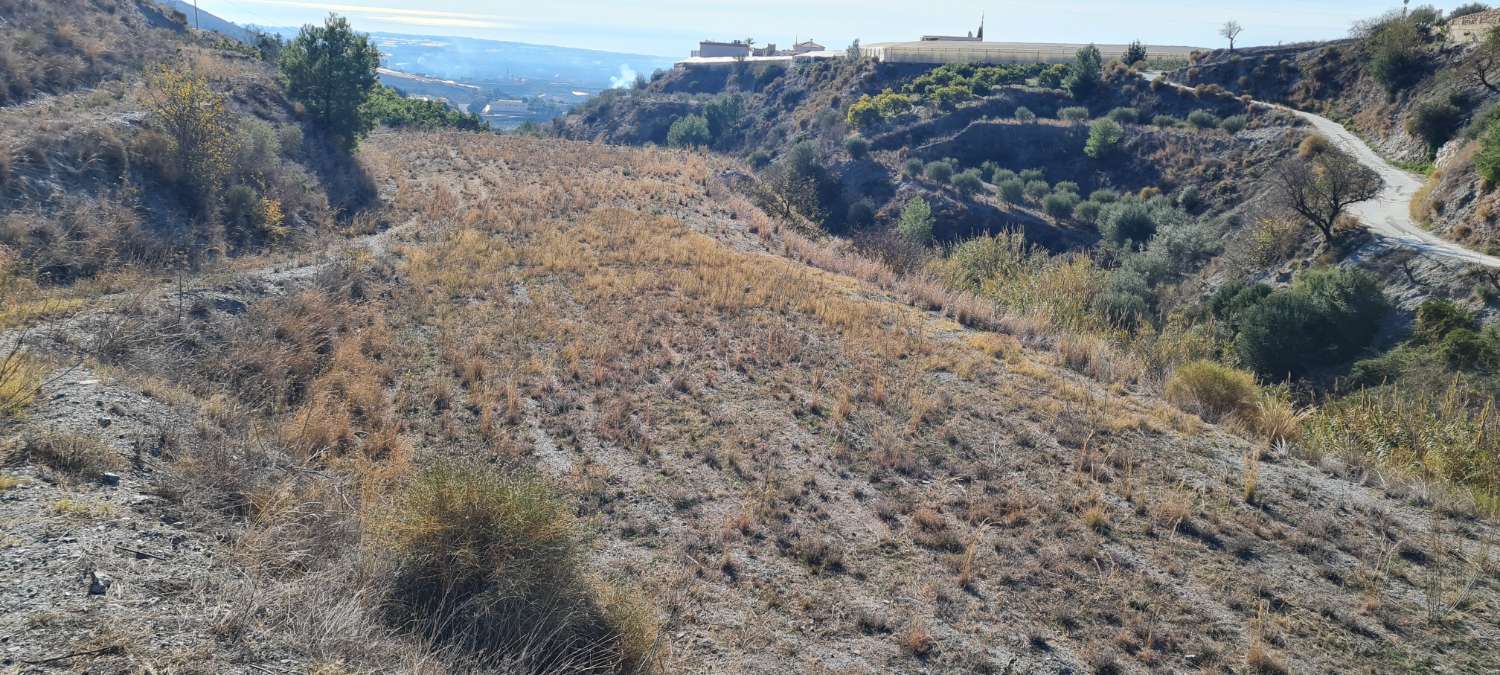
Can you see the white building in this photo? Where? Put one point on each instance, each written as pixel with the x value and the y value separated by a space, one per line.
pixel 709 49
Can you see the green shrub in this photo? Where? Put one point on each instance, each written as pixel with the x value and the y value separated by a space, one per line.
pixel 1001 175
pixel 1060 204
pixel 1104 196
pixel 1104 139
pixel 858 148
pixel 1463 349
pixel 968 182
pixel 1326 318
pixel 1436 318
pixel 1396 59
pixel 495 564
pixel 388 107
pixel 1435 122
pixel 1127 297
pixel 913 167
pixel 1212 390
pixel 916 221
pixel 1165 121
pixel 1203 119
pixel 861 214
pixel 1125 115
pixel 1234 124
pixel 1134 54
pixel 1066 186
pixel 940 171
pixel 1487 160
pixel 1029 175
pixel 689 131
pixel 1052 77
pixel 759 159
pixel 1129 224
pixel 1013 191
pixel 1038 189
pixel 1024 115
pixel 1087 212
pixel 872 112
pixel 1189 198
pixel 1075 113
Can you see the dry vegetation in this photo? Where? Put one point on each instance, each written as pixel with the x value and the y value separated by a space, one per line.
pixel 711 457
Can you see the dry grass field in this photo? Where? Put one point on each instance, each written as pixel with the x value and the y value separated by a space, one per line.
pixel 591 389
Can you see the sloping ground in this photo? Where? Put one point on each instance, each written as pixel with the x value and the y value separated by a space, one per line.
pixel 799 471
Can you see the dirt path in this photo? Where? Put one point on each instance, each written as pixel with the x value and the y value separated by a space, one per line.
pixel 1389 214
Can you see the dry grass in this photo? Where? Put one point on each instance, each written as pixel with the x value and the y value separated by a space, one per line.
pixel 75 455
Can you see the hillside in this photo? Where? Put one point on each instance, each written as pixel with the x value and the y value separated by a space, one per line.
pixel 796 468
pixel 1015 369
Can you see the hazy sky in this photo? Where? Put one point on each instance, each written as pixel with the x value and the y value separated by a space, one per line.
pixel 672 27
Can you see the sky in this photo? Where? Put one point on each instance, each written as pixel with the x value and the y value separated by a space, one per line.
pixel 673 27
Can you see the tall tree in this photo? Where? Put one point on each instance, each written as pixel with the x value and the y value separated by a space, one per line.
pixel 1086 74
pixel 1231 30
pixel 1319 188
pixel 330 70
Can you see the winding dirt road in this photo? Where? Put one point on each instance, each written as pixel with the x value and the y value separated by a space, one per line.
pixel 1388 215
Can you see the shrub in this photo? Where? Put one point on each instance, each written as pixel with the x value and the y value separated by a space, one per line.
pixel 330 71
pixel 1087 212
pixel 913 167
pixel 1024 115
pixel 1396 59
pixel 968 182
pixel 1487 160
pixel 861 214
pixel 1125 115
pixel 1013 190
pixel 1029 175
pixel 1075 113
pixel 1066 186
pixel 884 108
pixel 1464 349
pixel 76 455
pixel 857 147
pixel 1203 119
pixel 1314 145
pixel 494 563
pixel 1104 139
pixel 689 131
pixel 916 221
pixel 800 183
pixel 1189 198
pixel 1104 196
pixel 1436 318
pixel 1165 121
pixel 1234 124
pixel 1212 390
pixel 1134 54
pixel 1435 122
pixel 197 129
pixel 1060 204
pixel 1037 189
pixel 759 159
pixel 939 171
pixel 1326 318
pixel 1128 224
pixel 1001 175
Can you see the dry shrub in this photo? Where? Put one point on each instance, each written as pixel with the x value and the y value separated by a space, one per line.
pixel 1276 419
pixel 19 379
pixel 1212 390
pixel 72 454
pixel 916 639
pixel 494 563
pixel 1314 144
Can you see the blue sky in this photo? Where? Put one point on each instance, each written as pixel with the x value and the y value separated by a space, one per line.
pixel 671 27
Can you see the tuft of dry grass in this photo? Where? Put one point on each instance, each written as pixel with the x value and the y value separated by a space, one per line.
pixel 1212 390
pixel 72 454
pixel 493 563
pixel 916 639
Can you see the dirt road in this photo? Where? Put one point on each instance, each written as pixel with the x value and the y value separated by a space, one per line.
pixel 1389 214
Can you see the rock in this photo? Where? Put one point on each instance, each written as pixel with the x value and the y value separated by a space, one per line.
pixel 99 583
pixel 104 422
pixel 110 479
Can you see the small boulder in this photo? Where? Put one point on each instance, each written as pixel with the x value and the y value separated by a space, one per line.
pixel 99 583
pixel 109 479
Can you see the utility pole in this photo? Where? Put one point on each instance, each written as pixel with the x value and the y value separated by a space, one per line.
pixel 196 25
